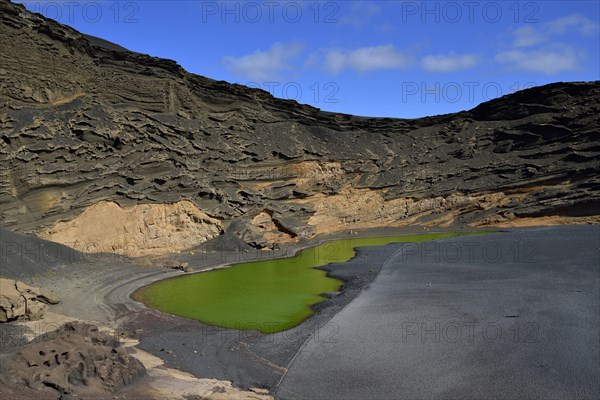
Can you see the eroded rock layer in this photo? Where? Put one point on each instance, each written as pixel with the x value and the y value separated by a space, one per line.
pixel 75 359
pixel 19 301
pixel 82 123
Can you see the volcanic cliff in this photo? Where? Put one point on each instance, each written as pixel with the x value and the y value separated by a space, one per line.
pixel 122 151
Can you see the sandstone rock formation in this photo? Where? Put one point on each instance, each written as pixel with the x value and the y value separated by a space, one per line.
pixel 19 301
pixel 83 123
pixel 136 230
pixel 75 359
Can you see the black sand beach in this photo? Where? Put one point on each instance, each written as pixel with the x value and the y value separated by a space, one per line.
pixel 515 316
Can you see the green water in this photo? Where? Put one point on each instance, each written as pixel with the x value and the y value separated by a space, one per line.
pixel 268 296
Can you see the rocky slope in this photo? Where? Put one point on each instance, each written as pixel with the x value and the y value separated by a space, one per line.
pixel 179 155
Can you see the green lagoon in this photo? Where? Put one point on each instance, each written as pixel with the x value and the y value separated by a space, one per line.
pixel 269 296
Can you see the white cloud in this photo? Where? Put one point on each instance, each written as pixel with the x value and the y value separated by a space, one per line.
pixel 552 56
pixel 366 59
pixel 577 22
pixel 335 60
pixel 547 61
pixel 449 63
pixel 527 36
pixel 264 65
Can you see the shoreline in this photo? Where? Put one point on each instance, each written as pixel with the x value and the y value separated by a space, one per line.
pixel 137 296
pixel 309 244
pixel 282 346
pixel 246 358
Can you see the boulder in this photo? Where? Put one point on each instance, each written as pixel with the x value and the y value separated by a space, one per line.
pixel 19 301
pixel 76 359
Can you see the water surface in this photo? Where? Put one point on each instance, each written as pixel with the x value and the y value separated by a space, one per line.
pixel 269 296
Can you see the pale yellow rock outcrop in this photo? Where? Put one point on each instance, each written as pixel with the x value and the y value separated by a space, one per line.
pixel 139 230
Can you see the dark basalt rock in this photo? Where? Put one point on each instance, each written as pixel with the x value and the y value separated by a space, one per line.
pixel 83 121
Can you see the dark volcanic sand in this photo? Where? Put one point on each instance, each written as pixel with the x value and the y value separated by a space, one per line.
pixel 502 325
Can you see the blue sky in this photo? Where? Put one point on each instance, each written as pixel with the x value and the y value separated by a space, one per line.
pixel 375 58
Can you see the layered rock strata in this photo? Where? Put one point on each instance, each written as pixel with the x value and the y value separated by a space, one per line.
pixel 86 128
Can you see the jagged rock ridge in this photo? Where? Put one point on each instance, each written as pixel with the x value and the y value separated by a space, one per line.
pixel 82 124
